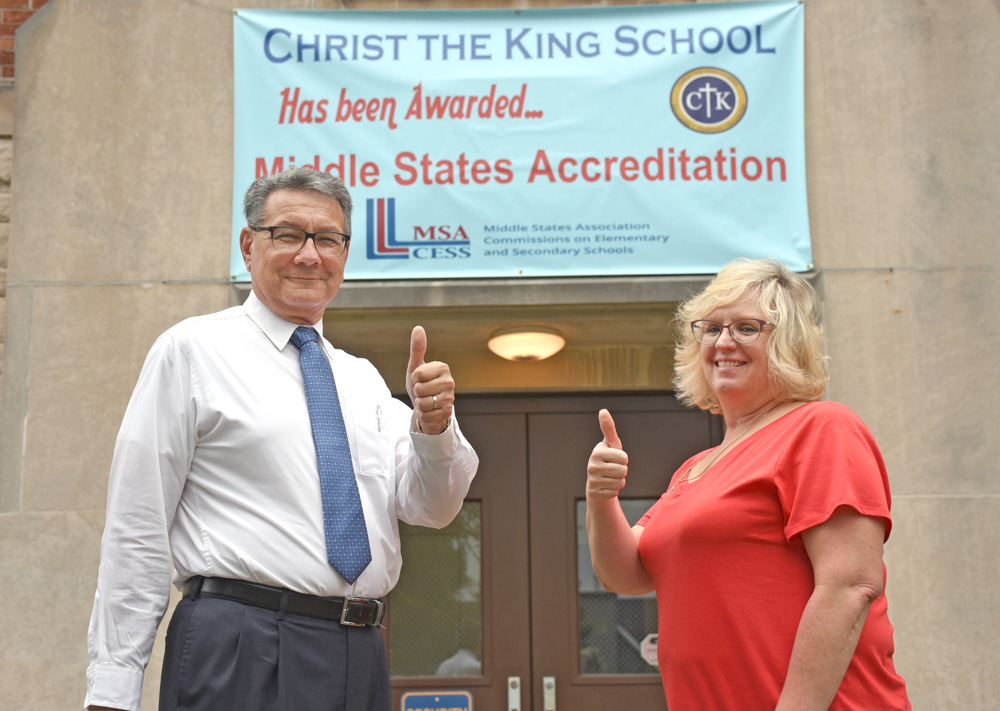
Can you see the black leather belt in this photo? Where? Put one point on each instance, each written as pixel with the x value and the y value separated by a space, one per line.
pixel 351 611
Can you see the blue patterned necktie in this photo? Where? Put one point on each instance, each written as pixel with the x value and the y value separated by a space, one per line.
pixel 347 546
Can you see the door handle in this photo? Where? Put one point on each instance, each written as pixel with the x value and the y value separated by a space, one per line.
pixel 549 693
pixel 513 693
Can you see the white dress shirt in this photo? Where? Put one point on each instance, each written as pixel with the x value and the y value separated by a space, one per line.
pixel 215 466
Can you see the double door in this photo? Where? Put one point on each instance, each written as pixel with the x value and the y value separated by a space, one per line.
pixel 501 610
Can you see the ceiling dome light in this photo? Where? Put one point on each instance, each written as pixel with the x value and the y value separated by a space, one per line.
pixel 526 343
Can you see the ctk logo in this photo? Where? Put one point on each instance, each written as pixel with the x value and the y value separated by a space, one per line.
pixel 431 242
pixel 708 100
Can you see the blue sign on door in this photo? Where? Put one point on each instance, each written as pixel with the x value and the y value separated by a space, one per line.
pixel 437 701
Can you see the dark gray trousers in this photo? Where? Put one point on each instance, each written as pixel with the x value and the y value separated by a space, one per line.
pixel 223 655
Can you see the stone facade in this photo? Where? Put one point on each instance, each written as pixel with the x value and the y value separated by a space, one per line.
pixel 6 164
pixel 13 14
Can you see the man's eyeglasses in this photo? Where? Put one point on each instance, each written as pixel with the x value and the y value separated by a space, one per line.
pixel 746 330
pixel 292 239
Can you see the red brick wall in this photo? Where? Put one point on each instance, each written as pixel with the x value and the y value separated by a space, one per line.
pixel 13 14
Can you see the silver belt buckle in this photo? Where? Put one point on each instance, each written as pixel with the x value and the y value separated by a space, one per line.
pixel 353 611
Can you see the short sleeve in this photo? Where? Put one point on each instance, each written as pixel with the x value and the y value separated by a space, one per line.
pixel 648 515
pixel 831 460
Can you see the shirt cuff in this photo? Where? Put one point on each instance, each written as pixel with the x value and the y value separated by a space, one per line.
pixel 439 446
pixel 420 429
pixel 113 685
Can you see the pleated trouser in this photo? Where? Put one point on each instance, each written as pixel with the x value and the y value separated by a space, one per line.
pixel 223 655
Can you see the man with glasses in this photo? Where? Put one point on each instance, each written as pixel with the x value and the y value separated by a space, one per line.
pixel 273 488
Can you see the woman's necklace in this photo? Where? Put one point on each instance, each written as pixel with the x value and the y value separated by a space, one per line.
pixel 687 475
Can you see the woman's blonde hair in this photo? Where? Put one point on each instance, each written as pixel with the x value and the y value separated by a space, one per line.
pixel 796 363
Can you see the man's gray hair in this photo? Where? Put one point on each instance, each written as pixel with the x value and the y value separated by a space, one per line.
pixel 302 178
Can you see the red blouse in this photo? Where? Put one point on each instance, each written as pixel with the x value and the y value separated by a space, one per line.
pixel 731 573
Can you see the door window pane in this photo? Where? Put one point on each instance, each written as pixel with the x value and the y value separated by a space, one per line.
pixel 612 626
pixel 436 625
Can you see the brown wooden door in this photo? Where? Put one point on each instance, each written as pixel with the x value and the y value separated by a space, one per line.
pixel 542 615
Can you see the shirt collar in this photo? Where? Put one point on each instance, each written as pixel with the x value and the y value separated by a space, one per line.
pixel 278 330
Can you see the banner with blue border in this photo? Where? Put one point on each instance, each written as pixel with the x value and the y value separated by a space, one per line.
pixel 638 140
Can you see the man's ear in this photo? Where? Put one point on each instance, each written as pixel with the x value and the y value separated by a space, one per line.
pixel 246 245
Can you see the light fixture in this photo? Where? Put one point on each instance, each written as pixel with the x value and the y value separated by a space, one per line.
pixel 526 343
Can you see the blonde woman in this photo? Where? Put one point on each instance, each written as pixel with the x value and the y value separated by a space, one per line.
pixel 765 552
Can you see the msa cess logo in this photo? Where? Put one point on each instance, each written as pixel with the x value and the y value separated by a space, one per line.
pixel 430 242
pixel 708 100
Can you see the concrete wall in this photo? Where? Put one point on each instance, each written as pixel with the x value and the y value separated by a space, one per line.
pixel 903 201
pixel 6 166
pixel 119 227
